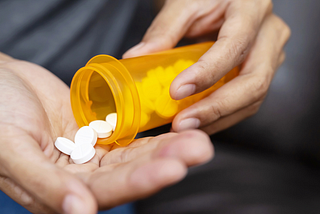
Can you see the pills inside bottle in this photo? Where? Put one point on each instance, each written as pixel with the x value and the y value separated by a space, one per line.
pixel 137 89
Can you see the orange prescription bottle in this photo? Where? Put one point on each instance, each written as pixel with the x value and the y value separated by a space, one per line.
pixel 137 89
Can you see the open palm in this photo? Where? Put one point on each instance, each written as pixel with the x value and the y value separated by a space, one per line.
pixel 35 110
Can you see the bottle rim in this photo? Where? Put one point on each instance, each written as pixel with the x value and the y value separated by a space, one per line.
pixel 108 67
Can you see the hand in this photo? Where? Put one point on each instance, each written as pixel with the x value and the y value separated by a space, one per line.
pixel 35 110
pixel 250 36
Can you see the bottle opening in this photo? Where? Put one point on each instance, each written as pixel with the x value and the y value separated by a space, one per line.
pixel 100 97
pixel 102 87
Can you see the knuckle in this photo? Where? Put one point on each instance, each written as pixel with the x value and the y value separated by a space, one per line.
pixel 27 200
pixel 16 192
pixel 202 65
pixel 260 87
pixel 282 27
pixel 159 33
pixel 215 111
pixel 269 6
pixel 169 39
pixel 286 31
pixel 253 109
pixel 282 58
pixel 239 48
pixel 204 75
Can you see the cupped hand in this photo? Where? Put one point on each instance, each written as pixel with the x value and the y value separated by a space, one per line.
pixel 250 36
pixel 35 109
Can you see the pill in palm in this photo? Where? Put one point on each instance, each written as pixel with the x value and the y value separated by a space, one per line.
pixel 102 128
pixel 64 145
pixel 86 135
pixel 83 153
pixel 112 120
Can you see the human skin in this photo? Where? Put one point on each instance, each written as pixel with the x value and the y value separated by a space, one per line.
pixel 250 36
pixel 35 109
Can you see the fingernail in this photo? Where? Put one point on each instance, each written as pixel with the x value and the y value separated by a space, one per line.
pixel 74 205
pixel 185 90
pixel 190 123
pixel 130 52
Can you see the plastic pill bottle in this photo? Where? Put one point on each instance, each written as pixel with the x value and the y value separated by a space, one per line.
pixel 137 89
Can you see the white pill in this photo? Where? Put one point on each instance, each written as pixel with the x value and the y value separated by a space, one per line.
pixel 86 135
pixel 65 145
pixel 102 128
pixel 112 120
pixel 83 153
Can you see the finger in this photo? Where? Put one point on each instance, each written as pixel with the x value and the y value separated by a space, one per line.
pixel 170 26
pixel 26 165
pixel 282 58
pixel 237 34
pixel 249 87
pixel 245 90
pixel 135 180
pixel 144 172
pixel 210 22
pixel 230 120
pixel 192 147
pixel 20 196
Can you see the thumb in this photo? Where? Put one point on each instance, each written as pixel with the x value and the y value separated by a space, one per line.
pixel 166 30
pixel 25 163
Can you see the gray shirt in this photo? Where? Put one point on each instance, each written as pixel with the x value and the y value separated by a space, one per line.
pixel 62 35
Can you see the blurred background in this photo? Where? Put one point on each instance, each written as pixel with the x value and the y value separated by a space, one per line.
pixel 268 163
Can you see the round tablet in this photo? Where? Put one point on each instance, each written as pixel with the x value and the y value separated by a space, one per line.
pixel 64 145
pixel 160 75
pixel 166 107
pixel 151 88
pixel 112 120
pixel 83 153
pixel 144 119
pixel 102 128
pixel 86 135
pixel 147 105
pixel 170 75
